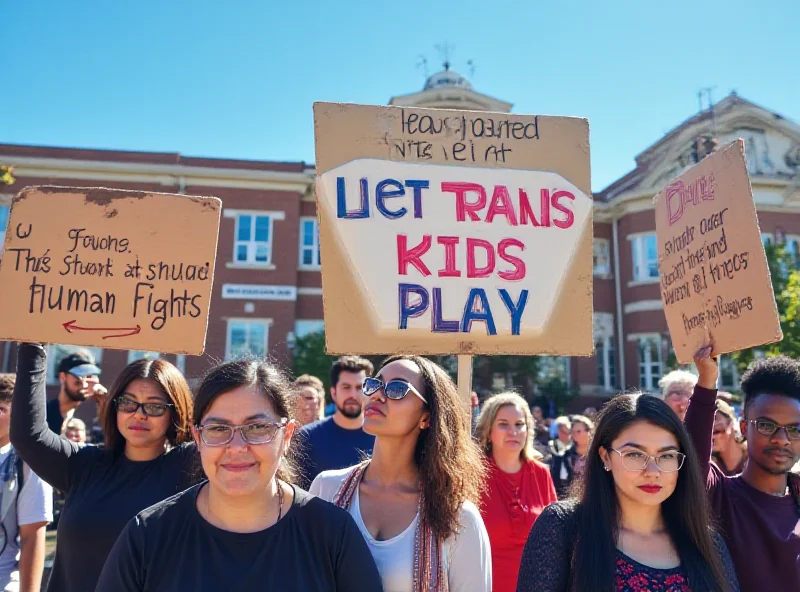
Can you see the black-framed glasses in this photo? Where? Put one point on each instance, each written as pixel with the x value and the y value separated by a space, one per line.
pixel 257 432
pixel 667 462
pixel 394 389
pixel 767 427
pixel 125 405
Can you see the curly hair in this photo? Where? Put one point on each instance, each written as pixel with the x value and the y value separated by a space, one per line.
pixel 483 429
pixel 446 455
pixel 775 376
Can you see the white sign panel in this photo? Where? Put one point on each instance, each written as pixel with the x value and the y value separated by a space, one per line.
pixel 258 292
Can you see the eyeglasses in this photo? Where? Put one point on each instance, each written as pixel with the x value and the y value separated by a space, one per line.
pixel 767 427
pixel 667 462
pixel 125 405
pixel 394 389
pixel 259 432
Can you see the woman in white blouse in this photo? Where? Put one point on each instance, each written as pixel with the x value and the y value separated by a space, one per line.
pixel 414 501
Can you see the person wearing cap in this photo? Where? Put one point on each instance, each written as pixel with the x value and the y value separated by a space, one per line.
pixel 78 376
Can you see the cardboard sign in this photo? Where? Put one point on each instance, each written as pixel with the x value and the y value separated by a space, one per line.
pixel 715 279
pixel 453 232
pixel 109 268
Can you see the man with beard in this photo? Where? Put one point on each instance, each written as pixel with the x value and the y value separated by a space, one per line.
pixel 338 441
pixel 78 376
pixel 759 510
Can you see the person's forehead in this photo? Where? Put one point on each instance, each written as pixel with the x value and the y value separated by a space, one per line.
pixel 352 377
pixel 776 407
pixel 647 435
pixel 510 412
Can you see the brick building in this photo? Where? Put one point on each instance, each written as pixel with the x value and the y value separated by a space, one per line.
pixel 267 291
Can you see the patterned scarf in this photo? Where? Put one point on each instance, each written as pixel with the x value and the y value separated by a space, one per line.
pixel 428 570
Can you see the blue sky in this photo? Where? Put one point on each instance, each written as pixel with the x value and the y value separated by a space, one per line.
pixel 237 79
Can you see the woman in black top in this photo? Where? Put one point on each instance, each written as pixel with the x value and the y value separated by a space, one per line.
pixel 641 523
pixel 247 528
pixel 146 459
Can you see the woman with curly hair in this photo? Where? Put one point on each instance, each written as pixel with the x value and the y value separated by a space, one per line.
pixel 518 486
pixel 414 501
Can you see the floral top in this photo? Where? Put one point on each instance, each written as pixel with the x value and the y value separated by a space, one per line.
pixel 633 576
pixel 546 564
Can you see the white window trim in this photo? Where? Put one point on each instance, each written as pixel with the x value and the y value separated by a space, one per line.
pixel 274 216
pixel 266 322
pixel 639 236
pixel 608 344
pixel 768 235
pixel 302 247
pixel 606 274
pixel 649 363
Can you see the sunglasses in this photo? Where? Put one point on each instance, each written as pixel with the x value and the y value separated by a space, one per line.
pixel 394 389
pixel 125 405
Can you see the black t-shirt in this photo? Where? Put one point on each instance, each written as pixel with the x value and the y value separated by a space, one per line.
pixel 54 418
pixel 171 547
pixel 325 446
pixel 103 491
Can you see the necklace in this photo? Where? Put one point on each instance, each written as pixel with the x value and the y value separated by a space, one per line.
pixel 280 502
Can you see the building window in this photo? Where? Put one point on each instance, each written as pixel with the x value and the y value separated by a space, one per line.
pixel 792 247
pixel 253 242
pixel 142 355
pixel 309 243
pixel 55 353
pixel 305 327
pixel 606 363
pixel 645 257
pixel 4 211
pixel 650 366
pixel 602 257
pixel 246 338
pixel 767 239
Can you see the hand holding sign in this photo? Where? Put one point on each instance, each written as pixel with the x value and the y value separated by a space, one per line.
pixel 715 282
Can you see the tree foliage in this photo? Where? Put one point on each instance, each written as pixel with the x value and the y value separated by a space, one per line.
pixel 783 267
pixel 6 175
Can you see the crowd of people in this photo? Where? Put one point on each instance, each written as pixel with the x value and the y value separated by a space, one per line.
pixel 245 484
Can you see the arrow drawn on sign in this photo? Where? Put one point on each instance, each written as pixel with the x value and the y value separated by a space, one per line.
pixel 70 326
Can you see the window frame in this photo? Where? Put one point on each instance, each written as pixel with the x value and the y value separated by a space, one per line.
pixel 267 323
pixel 639 258
pixel 648 380
pixel 316 262
pixel 604 242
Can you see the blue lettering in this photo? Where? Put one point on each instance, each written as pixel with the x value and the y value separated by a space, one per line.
pixel 516 309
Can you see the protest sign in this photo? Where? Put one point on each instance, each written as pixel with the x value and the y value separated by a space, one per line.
pixel 453 232
pixel 109 268
pixel 715 281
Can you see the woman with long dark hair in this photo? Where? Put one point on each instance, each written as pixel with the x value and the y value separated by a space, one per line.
pixel 147 458
pixel 246 528
pixel 518 486
pixel 641 522
pixel 414 501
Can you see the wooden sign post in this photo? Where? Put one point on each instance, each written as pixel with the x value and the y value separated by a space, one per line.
pixel 453 232
pixel 109 268
pixel 715 279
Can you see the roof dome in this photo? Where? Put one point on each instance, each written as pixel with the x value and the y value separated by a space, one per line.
pixel 446 78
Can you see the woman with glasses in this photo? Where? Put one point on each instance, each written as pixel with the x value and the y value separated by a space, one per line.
pixel 641 523
pixel 414 501
pixel 147 458
pixel 247 528
pixel 518 487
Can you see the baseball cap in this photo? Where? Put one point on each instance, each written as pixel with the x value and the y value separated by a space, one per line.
pixel 78 364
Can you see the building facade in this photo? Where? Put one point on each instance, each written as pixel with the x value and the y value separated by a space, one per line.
pixel 267 289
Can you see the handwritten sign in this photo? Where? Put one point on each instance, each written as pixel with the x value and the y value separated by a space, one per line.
pixel 714 275
pixel 109 268
pixel 454 232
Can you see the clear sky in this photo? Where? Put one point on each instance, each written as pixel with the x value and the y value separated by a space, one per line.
pixel 237 79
